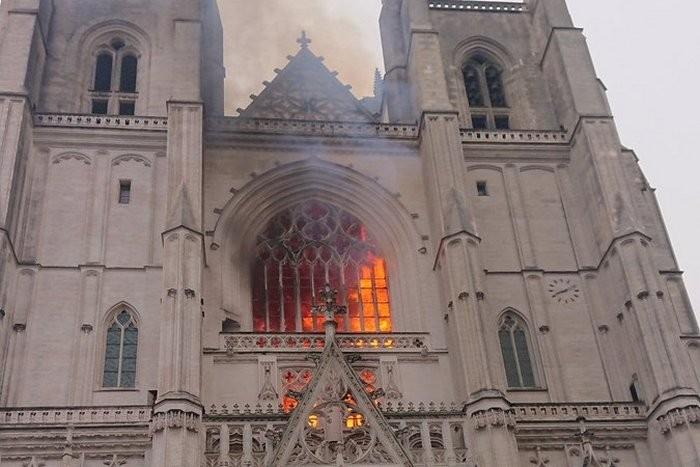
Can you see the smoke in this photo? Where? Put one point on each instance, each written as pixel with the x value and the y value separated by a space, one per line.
pixel 260 34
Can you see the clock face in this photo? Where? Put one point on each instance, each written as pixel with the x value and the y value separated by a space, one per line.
pixel 564 290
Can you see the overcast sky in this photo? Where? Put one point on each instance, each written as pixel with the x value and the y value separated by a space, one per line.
pixel 646 52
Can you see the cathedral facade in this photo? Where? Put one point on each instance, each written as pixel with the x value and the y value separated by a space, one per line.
pixel 466 269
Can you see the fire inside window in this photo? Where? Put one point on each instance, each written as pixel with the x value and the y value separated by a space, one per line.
pixel 302 249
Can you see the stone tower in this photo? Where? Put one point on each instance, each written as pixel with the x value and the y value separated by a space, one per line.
pixel 467 268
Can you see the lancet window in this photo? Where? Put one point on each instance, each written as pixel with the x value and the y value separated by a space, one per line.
pixel 517 354
pixel 115 79
pixel 302 249
pixel 120 352
pixel 483 80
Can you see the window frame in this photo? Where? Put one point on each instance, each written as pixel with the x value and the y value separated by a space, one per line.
pixel 115 96
pixel 381 290
pixel 107 324
pixel 480 62
pixel 519 323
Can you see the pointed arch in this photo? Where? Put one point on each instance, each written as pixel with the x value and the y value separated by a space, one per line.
pixel 517 350
pixel 246 214
pixel 120 338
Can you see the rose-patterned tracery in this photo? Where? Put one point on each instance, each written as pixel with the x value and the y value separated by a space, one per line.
pixel 305 247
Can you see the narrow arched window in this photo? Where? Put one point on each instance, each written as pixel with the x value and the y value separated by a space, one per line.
pixel 516 349
pixel 302 249
pixel 483 81
pixel 103 72
pixel 120 352
pixel 129 71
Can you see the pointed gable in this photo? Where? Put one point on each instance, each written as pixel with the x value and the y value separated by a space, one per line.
pixel 306 90
pixel 336 422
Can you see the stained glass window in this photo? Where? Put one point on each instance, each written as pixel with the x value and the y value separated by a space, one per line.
pixel 120 353
pixel 515 347
pixel 302 249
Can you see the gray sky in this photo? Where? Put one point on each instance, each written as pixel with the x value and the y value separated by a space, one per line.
pixel 646 52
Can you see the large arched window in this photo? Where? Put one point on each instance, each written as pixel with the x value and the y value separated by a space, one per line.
pixel 517 354
pixel 483 80
pixel 302 249
pixel 120 352
pixel 115 63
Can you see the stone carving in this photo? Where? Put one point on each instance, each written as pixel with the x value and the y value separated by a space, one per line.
pixel 494 418
pixel 678 417
pixel 175 419
pixel 267 392
pixel 33 462
pixel 115 461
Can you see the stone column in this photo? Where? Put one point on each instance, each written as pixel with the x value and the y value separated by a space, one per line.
pixel 178 410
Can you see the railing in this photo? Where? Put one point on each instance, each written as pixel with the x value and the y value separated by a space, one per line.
pixel 481 6
pixel 75 416
pixel 117 122
pixel 251 342
pixel 310 128
pixel 572 412
pixel 513 136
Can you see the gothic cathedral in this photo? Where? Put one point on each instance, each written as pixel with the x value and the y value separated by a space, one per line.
pixel 467 268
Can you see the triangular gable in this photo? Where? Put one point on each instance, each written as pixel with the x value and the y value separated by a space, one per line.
pixel 331 441
pixel 306 90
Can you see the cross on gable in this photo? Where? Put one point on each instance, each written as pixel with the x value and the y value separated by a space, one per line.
pixel 304 41
pixel 329 309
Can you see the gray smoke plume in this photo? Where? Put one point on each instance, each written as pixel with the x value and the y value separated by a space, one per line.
pixel 260 34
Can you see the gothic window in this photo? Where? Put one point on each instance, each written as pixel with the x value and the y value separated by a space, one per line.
pixel 302 249
pixel 103 72
pixel 114 89
pixel 483 80
pixel 127 81
pixel 120 352
pixel 517 356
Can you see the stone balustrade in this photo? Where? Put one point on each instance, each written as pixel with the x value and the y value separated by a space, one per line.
pixel 251 342
pixel 480 6
pixel 573 412
pixel 310 128
pixel 75 416
pixel 116 122
pixel 514 136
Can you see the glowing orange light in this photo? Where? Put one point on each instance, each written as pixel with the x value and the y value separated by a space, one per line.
pixel 314 421
pixel 354 420
pixel 289 404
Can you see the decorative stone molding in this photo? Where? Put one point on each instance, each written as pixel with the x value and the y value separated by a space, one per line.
pixel 71 156
pixel 310 128
pixel 480 6
pixel 251 342
pixel 513 136
pixel 675 418
pixel 494 418
pixel 573 412
pixel 75 416
pixel 131 158
pixel 175 419
pixel 97 121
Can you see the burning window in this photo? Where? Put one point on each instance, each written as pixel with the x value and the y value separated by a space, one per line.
pixel 302 249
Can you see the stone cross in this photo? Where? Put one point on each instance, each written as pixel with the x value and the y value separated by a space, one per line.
pixel 304 41
pixel 330 309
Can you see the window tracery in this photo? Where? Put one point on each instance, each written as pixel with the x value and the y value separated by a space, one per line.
pixel 483 81
pixel 114 88
pixel 302 249
pixel 516 349
pixel 120 352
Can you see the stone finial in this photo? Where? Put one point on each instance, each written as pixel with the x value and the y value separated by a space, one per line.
pixel 304 41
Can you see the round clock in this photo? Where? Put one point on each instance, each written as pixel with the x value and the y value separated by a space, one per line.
pixel 564 290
